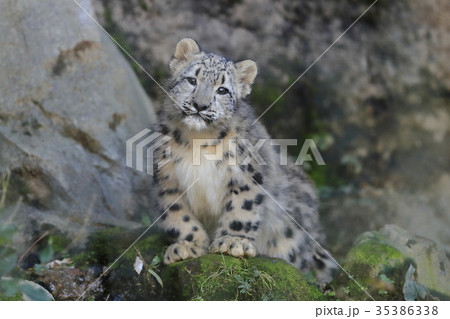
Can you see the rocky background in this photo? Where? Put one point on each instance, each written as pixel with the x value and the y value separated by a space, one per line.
pixel 377 105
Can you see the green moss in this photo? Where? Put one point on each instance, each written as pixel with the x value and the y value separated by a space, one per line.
pixel 105 246
pixel 378 268
pixel 17 297
pixel 374 254
pixel 60 243
pixel 219 277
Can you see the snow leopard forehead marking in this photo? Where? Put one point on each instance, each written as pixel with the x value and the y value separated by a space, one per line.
pixel 212 67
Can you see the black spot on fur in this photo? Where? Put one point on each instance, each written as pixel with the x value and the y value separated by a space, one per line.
pixel 228 154
pixel 171 191
pixel 193 251
pixel 219 162
pixel 319 263
pixel 248 226
pixel 288 232
pixel 197 72
pixel 247 205
pixel 235 192
pixel 186 218
pixel 195 228
pixel 175 251
pixel 303 264
pixel 258 178
pixel 259 199
pixel 229 206
pixel 175 207
pixel 189 237
pixel 177 136
pixel 168 192
pixel 292 257
pixel 164 216
pixel 231 183
pixel 307 199
pixel 321 254
pixel 244 188
pixel 236 225
pixel 223 134
pixel 223 79
pixel 165 130
pixel 243 236
pixel 250 168
pixel 255 226
pixel 173 233
pixel 224 233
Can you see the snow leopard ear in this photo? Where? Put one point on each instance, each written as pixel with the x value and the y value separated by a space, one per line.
pixel 185 49
pixel 246 72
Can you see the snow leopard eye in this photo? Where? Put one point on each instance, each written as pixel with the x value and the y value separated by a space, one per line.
pixel 222 91
pixel 192 81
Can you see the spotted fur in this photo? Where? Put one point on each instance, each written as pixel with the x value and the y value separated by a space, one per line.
pixel 234 207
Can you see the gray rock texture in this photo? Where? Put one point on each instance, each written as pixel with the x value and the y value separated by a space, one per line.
pixel 68 103
pixel 381 261
pixel 377 103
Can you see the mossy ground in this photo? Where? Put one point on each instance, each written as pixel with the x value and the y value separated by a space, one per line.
pixel 219 277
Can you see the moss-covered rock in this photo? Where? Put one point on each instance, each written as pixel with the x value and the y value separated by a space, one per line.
pixel 379 262
pixel 139 275
pixel 219 277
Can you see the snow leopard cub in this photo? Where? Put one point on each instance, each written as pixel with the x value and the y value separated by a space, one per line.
pixel 241 203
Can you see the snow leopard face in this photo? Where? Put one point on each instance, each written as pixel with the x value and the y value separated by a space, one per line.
pixel 205 87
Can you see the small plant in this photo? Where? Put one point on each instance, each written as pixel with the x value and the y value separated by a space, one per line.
pixel 14 288
pixel 151 268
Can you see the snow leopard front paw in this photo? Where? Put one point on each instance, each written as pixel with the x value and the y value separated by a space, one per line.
pixel 182 250
pixel 234 246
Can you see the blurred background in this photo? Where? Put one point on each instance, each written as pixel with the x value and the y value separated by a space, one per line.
pixel 377 104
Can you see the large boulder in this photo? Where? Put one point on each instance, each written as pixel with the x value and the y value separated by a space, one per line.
pixel 68 103
pixel 392 264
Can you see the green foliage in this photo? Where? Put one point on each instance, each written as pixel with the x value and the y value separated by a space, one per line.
pixel 13 288
pixel 151 269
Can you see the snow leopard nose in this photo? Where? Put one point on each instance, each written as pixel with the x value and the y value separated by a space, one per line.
pixel 201 107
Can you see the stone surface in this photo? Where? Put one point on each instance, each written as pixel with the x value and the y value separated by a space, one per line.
pixel 376 103
pixel 380 262
pixel 68 103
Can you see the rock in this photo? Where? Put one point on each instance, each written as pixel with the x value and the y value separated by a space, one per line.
pixel 68 103
pixel 68 283
pixel 383 262
pixel 218 277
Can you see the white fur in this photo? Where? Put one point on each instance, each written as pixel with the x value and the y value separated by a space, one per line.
pixel 205 198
